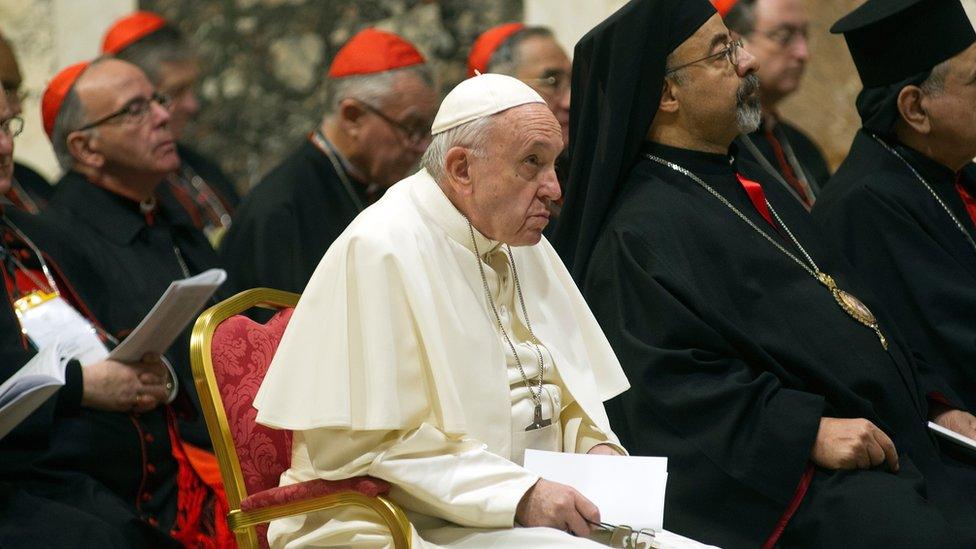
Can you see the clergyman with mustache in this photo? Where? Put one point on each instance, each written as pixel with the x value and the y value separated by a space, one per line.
pixel 789 406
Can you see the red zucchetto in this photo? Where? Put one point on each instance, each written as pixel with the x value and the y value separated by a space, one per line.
pixel 723 6
pixel 55 93
pixel 371 51
pixel 130 29
pixel 486 44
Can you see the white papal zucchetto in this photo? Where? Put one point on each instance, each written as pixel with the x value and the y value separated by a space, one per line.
pixel 481 96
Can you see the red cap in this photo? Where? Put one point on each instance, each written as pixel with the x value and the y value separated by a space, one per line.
pixel 131 28
pixel 486 44
pixel 55 93
pixel 372 51
pixel 723 6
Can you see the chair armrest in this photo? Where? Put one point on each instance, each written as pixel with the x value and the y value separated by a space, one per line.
pixel 321 495
pixel 367 486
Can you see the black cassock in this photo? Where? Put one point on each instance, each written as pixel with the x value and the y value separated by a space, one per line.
pixel 734 353
pixel 287 222
pixel 121 261
pixel 899 238
pixel 211 172
pixel 72 476
pixel 38 190
pixel 789 150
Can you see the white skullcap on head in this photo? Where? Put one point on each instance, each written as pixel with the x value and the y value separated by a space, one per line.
pixel 481 96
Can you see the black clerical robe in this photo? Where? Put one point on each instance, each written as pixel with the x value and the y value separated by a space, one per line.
pixel 792 154
pixel 34 185
pixel 72 476
pixel 734 353
pixel 901 240
pixel 122 261
pixel 211 172
pixel 287 222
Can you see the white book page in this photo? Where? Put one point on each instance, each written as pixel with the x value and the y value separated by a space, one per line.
pixel 177 307
pixel 949 434
pixel 31 386
pixel 628 490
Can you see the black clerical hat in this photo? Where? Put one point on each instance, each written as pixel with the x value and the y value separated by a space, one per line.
pixel 891 40
pixel 618 75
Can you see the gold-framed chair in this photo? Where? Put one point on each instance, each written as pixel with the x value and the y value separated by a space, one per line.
pixel 230 354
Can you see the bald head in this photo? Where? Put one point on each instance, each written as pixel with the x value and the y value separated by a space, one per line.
pixel 6 146
pixel 10 76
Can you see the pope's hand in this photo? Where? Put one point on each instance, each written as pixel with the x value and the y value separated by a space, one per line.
pixel 852 444
pixel 119 387
pixel 959 421
pixel 557 506
pixel 604 450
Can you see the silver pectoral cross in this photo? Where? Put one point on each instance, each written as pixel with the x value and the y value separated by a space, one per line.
pixel 537 421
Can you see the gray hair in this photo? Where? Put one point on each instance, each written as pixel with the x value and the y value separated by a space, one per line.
pixel 165 45
pixel 374 89
pixel 507 57
pixel 472 135
pixel 741 18
pixel 71 116
pixel 934 84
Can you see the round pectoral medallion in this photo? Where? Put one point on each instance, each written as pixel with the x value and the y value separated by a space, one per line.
pixel 856 308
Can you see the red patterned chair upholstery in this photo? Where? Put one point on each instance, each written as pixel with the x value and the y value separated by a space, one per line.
pixel 230 355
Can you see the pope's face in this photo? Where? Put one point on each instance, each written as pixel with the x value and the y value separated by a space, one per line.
pixel 142 145
pixel 513 183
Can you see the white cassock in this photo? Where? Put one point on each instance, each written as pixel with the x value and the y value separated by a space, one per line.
pixel 393 366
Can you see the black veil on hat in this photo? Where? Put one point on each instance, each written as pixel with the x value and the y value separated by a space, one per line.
pixel 896 43
pixel 618 74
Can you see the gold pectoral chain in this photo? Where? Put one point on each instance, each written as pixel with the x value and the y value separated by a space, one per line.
pixel 851 305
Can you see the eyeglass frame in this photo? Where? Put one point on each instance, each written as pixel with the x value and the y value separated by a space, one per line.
pixel 414 136
pixel 554 81
pixel 790 36
pixel 161 99
pixel 5 126
pixel 627 534
pixel 730 51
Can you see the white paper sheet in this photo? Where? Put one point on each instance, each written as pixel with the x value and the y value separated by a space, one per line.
pixel 948 434
pixel 33 384
pixel 176 308
pixel 627 489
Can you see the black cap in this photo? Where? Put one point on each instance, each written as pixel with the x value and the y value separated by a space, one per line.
pixel 891 40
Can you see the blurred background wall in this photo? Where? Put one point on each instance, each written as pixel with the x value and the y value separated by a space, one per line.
pixel 265 60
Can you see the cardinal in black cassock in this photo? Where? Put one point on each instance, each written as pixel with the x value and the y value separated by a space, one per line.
pixel 902 209
pixel 712 285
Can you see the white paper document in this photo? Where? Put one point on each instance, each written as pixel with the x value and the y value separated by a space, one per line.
pixel 177 307
pixel 628 490
pixel 948 434
pixel 33 384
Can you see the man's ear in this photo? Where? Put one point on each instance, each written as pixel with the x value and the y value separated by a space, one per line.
pixel 457 167
pixel 350 116
pixel 911 108
pixel 669 96
pixel 82 146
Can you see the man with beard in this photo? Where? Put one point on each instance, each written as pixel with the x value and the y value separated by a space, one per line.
pixel 377 126
pixel 789 412
pixel 158 48
pixel 776 33
pixel 901 206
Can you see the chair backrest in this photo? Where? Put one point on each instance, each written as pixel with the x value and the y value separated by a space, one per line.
pixel 230 355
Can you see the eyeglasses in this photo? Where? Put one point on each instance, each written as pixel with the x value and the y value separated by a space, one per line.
pixel 785 36
pixel 134 111
pixel 551 85
pixel 415 135
pixel 731 52
pixel 12 126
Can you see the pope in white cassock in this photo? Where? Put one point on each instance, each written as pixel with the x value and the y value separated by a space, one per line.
pixel 440 337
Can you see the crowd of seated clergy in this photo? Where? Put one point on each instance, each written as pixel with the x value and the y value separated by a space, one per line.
pixel 630 253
